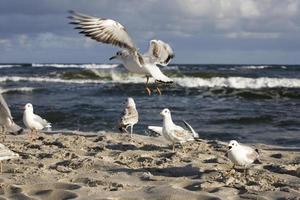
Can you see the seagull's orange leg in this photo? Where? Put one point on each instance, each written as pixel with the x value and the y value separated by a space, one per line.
pixel 147 88
pixel 158 90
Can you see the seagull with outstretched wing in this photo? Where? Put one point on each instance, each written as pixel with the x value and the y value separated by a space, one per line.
pixel 112 32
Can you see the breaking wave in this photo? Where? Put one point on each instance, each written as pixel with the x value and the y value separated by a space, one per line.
pixel 239 82
pixel 83 66
pixel 189 82
pixel 20 89
pixel 115 79
pixel 9 66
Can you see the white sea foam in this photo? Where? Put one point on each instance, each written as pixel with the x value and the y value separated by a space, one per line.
pixel 19 89
pixel 115 79
pixel 256 67
pixel 189 82
pixel 9 66
pixel 238 82
pixel 84 66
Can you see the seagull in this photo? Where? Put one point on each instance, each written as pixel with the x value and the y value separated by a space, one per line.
pixel 241 155
pixel 33 121
pixel 6 154
pixel 130 116
pixel 6 120
pixel 112 32
pixel 174 133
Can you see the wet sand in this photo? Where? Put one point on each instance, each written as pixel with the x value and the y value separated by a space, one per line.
pixel 114 166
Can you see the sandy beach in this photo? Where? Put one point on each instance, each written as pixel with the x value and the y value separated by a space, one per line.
pixel 113 166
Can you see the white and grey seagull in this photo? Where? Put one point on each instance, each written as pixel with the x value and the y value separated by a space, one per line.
pixel 34 122
pixel 7 123
pixel 175 133
pixel 241 155
pixel 130 117
pixel 112 32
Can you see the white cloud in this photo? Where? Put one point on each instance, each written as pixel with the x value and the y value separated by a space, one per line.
pixel 249 9
pixel 252 35
pixel 5 44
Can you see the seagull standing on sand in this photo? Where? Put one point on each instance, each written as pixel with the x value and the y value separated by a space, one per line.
pixel 129 117
pixel 241 155
pixel 6 120
pixel 112 32
pixel 33 121
pixel 6 154
pixel 174 133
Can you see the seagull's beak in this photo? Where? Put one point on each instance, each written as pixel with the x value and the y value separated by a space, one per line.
pixel 161 113
pixel 114 57
pixel 229 147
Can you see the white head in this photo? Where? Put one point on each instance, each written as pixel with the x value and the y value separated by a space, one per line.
pixel 233 144
pixel 120 55
pixel 28 107
pixel 165 112
pixel 130 102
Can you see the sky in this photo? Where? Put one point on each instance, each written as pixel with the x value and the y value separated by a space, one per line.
pixel 199 31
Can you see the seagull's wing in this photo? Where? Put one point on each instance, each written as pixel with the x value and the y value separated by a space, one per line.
pixel 4 109
pixel 195 134
pixel 42 121
pixel 159 52
pixel 155 72
pixel 156 129
pixel 183 134
pixel 251 154
pixel 130 116
pixel 102 30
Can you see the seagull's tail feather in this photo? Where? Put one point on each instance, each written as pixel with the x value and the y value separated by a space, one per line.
pixel 195 134
pixel 48 126
pixel 155 72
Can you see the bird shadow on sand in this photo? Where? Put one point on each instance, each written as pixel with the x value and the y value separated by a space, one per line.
pixel 183 171
pixel 278 169
pixel 145 147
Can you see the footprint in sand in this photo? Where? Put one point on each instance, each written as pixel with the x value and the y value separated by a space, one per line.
pixel 52 191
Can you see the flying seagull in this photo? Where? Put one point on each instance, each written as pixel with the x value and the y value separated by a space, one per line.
pixel 6 120
pixel 112 32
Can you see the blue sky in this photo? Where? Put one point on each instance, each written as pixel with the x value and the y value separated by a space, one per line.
pixel 200 31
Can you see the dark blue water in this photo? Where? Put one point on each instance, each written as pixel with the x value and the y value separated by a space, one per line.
pixel 243 102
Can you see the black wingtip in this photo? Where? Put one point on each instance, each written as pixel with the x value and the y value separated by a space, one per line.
pixel 257 151
pixel 71 11
pixel 165 82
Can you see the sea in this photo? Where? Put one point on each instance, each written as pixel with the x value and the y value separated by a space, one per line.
pixel 248 103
